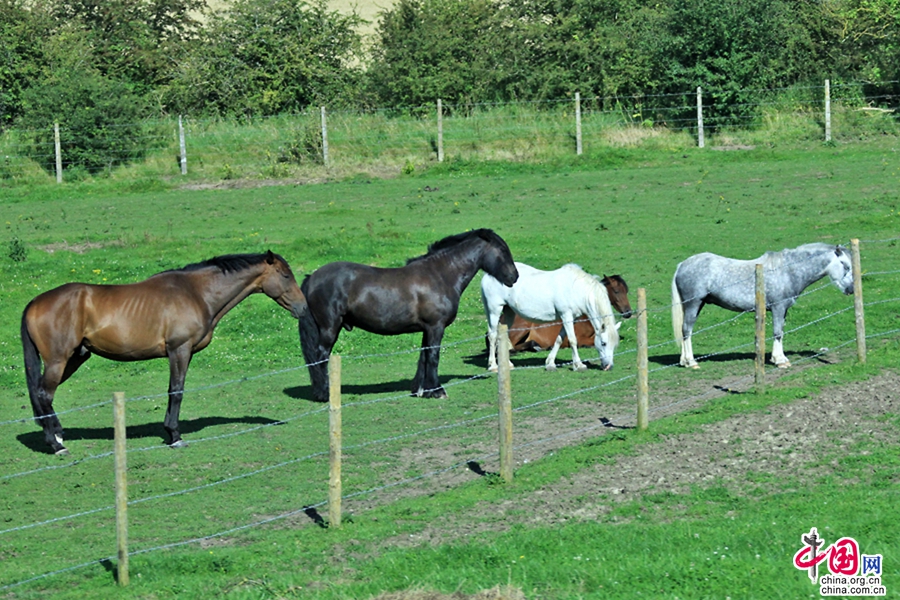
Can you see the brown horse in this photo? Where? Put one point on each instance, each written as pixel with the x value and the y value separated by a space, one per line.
pixel 524 335
pixel 170 315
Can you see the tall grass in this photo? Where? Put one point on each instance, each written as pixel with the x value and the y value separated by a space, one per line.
pixel 389 142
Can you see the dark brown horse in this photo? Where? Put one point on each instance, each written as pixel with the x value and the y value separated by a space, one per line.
pixel 170 315
pixel 525 335
pixel 421 296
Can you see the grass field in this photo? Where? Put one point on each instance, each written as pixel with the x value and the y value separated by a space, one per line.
pixel 250 485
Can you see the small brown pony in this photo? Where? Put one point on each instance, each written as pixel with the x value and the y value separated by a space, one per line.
pixel 526 336
pixel 170 315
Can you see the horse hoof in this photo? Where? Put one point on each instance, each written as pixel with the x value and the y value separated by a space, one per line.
pixel 786 364
pixel 178 444
pixel 492 369
pixel 62 452
pixel 551 367
pixel 579 367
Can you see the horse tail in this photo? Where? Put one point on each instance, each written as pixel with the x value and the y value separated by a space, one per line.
pixel 677 313
pixel 313 353
pixel 33 362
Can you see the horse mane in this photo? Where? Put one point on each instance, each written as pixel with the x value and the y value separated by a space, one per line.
pixel 803 252
pixel 451 241
pixel 617 278
pixel 230 263
pixel 598 292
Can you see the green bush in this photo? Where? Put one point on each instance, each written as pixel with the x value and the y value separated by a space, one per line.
pixel 265 57
pixel 17 251
pixel 101 123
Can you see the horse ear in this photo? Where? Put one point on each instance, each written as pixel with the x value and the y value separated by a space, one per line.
pixel 837 250
pixel 270 257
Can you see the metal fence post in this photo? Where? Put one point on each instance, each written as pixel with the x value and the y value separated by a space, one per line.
pixel 440 131
pixel 700 141
pixel 182 146
pixel 578 144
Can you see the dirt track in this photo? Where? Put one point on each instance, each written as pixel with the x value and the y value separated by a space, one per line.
pixel 784 440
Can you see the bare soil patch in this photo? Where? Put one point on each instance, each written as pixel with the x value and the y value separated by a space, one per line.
pixel 65 246
pixel 787 440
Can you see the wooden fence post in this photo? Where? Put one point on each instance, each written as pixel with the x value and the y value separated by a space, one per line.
pixel 504 404
pixel 121 487
pixel 182 146
pixel 760 366
pixel 440 133
pixel 324 139
pixel 858 302
pixel 643 385
pixel 58 150
pixel 334 441
pixel 700 141
pixel 578 145
pixel 827 110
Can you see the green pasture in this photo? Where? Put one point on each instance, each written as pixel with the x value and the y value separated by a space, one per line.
pixel 251 484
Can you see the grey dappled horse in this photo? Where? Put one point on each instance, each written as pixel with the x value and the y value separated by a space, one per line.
pixel 730 283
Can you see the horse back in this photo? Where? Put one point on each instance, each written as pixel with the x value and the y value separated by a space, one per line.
pixel 55 319
pixel 122 322
pixel 719 280
pixel 386 301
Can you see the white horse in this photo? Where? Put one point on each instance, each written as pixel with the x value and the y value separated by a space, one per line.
pixel 545 296
pixel 711 279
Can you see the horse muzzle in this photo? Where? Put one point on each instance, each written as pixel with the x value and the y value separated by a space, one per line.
pixel 511 277
pixel 298 309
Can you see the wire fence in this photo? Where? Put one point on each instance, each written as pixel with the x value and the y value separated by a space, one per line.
pixel 318 142
pixel 469 428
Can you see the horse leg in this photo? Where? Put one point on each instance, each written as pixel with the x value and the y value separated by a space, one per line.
pixel 42 406
pixel 426 383
pixel 778 315
pixel 691 311
pixel 569 332
pixel 493 324
pixel 550 363
pixel 179 360
pixel 43 409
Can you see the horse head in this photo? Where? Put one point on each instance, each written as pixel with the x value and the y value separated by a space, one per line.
pixel 278 283
pixel 617 290
pixel 840 269
pixel 606 330
pixel 497 260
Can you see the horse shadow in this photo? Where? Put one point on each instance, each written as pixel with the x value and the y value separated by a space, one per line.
pixel 398 386
pixel 528 358
pixel 673 359
pixel 34 440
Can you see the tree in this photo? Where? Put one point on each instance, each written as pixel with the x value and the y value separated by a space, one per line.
pixel 137 41
pixel 455 50
pixel 600 47
pixel 262 57
pixel 869 39
pixel 21 59
pixel 101 119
